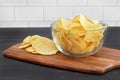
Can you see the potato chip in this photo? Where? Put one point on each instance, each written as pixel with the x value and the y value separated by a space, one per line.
pixel 66 41
pixel 24 45
pixel 75 26
pixel 30 49
pixel 76 19
pixel 26 42
pixel 81 43
pixel 93 36
pixel 95 21
pixel 97 43
pixel 85 22
pixel 34 37
pixel 27 39
pixel 91 47
pixel 74 50
pixel 55 25
pixel 65 23
pixel 59 40
pixel 44 46
pixel 75 34
pixel 78 46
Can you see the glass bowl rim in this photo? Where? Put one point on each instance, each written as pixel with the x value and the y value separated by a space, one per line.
pixel 102 23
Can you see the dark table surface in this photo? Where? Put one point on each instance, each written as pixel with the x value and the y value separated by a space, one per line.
pixel 11 69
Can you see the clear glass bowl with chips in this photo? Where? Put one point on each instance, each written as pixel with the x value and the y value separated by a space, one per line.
pixel 77 42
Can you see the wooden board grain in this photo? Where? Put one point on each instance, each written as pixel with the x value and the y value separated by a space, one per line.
pixel 103 61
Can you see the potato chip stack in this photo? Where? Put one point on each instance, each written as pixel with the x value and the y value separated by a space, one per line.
pixel 39 45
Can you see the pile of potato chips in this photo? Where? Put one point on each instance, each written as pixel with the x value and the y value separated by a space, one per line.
pixel 39 45
pixel 79 35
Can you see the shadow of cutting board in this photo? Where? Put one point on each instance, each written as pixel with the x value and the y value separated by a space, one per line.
pixel 103 61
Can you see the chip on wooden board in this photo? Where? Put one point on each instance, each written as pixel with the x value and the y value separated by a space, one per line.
pixel 39 45
pixel 31 49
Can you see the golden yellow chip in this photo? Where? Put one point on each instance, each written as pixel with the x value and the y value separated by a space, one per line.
pixel 97 43
pixel 81 43
pixel 90 24
pixel 59 41
pixel 30 49
pixel 91 47
pixel 27 41
pixel 95 21
pixel 93 36
pixel 63 41
pixel 75 34
pixel 44 46
pixel 34 37
pixel 85 22
pixel 55 25
pixel 78 45
pixel 65 23
pixel 76 19
pixel 24 45
pixel 75 26
pixel 66 41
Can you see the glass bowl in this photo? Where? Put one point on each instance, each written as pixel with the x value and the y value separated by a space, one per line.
pixel 68 44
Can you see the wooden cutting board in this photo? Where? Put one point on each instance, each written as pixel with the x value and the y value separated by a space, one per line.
pixel 103 61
